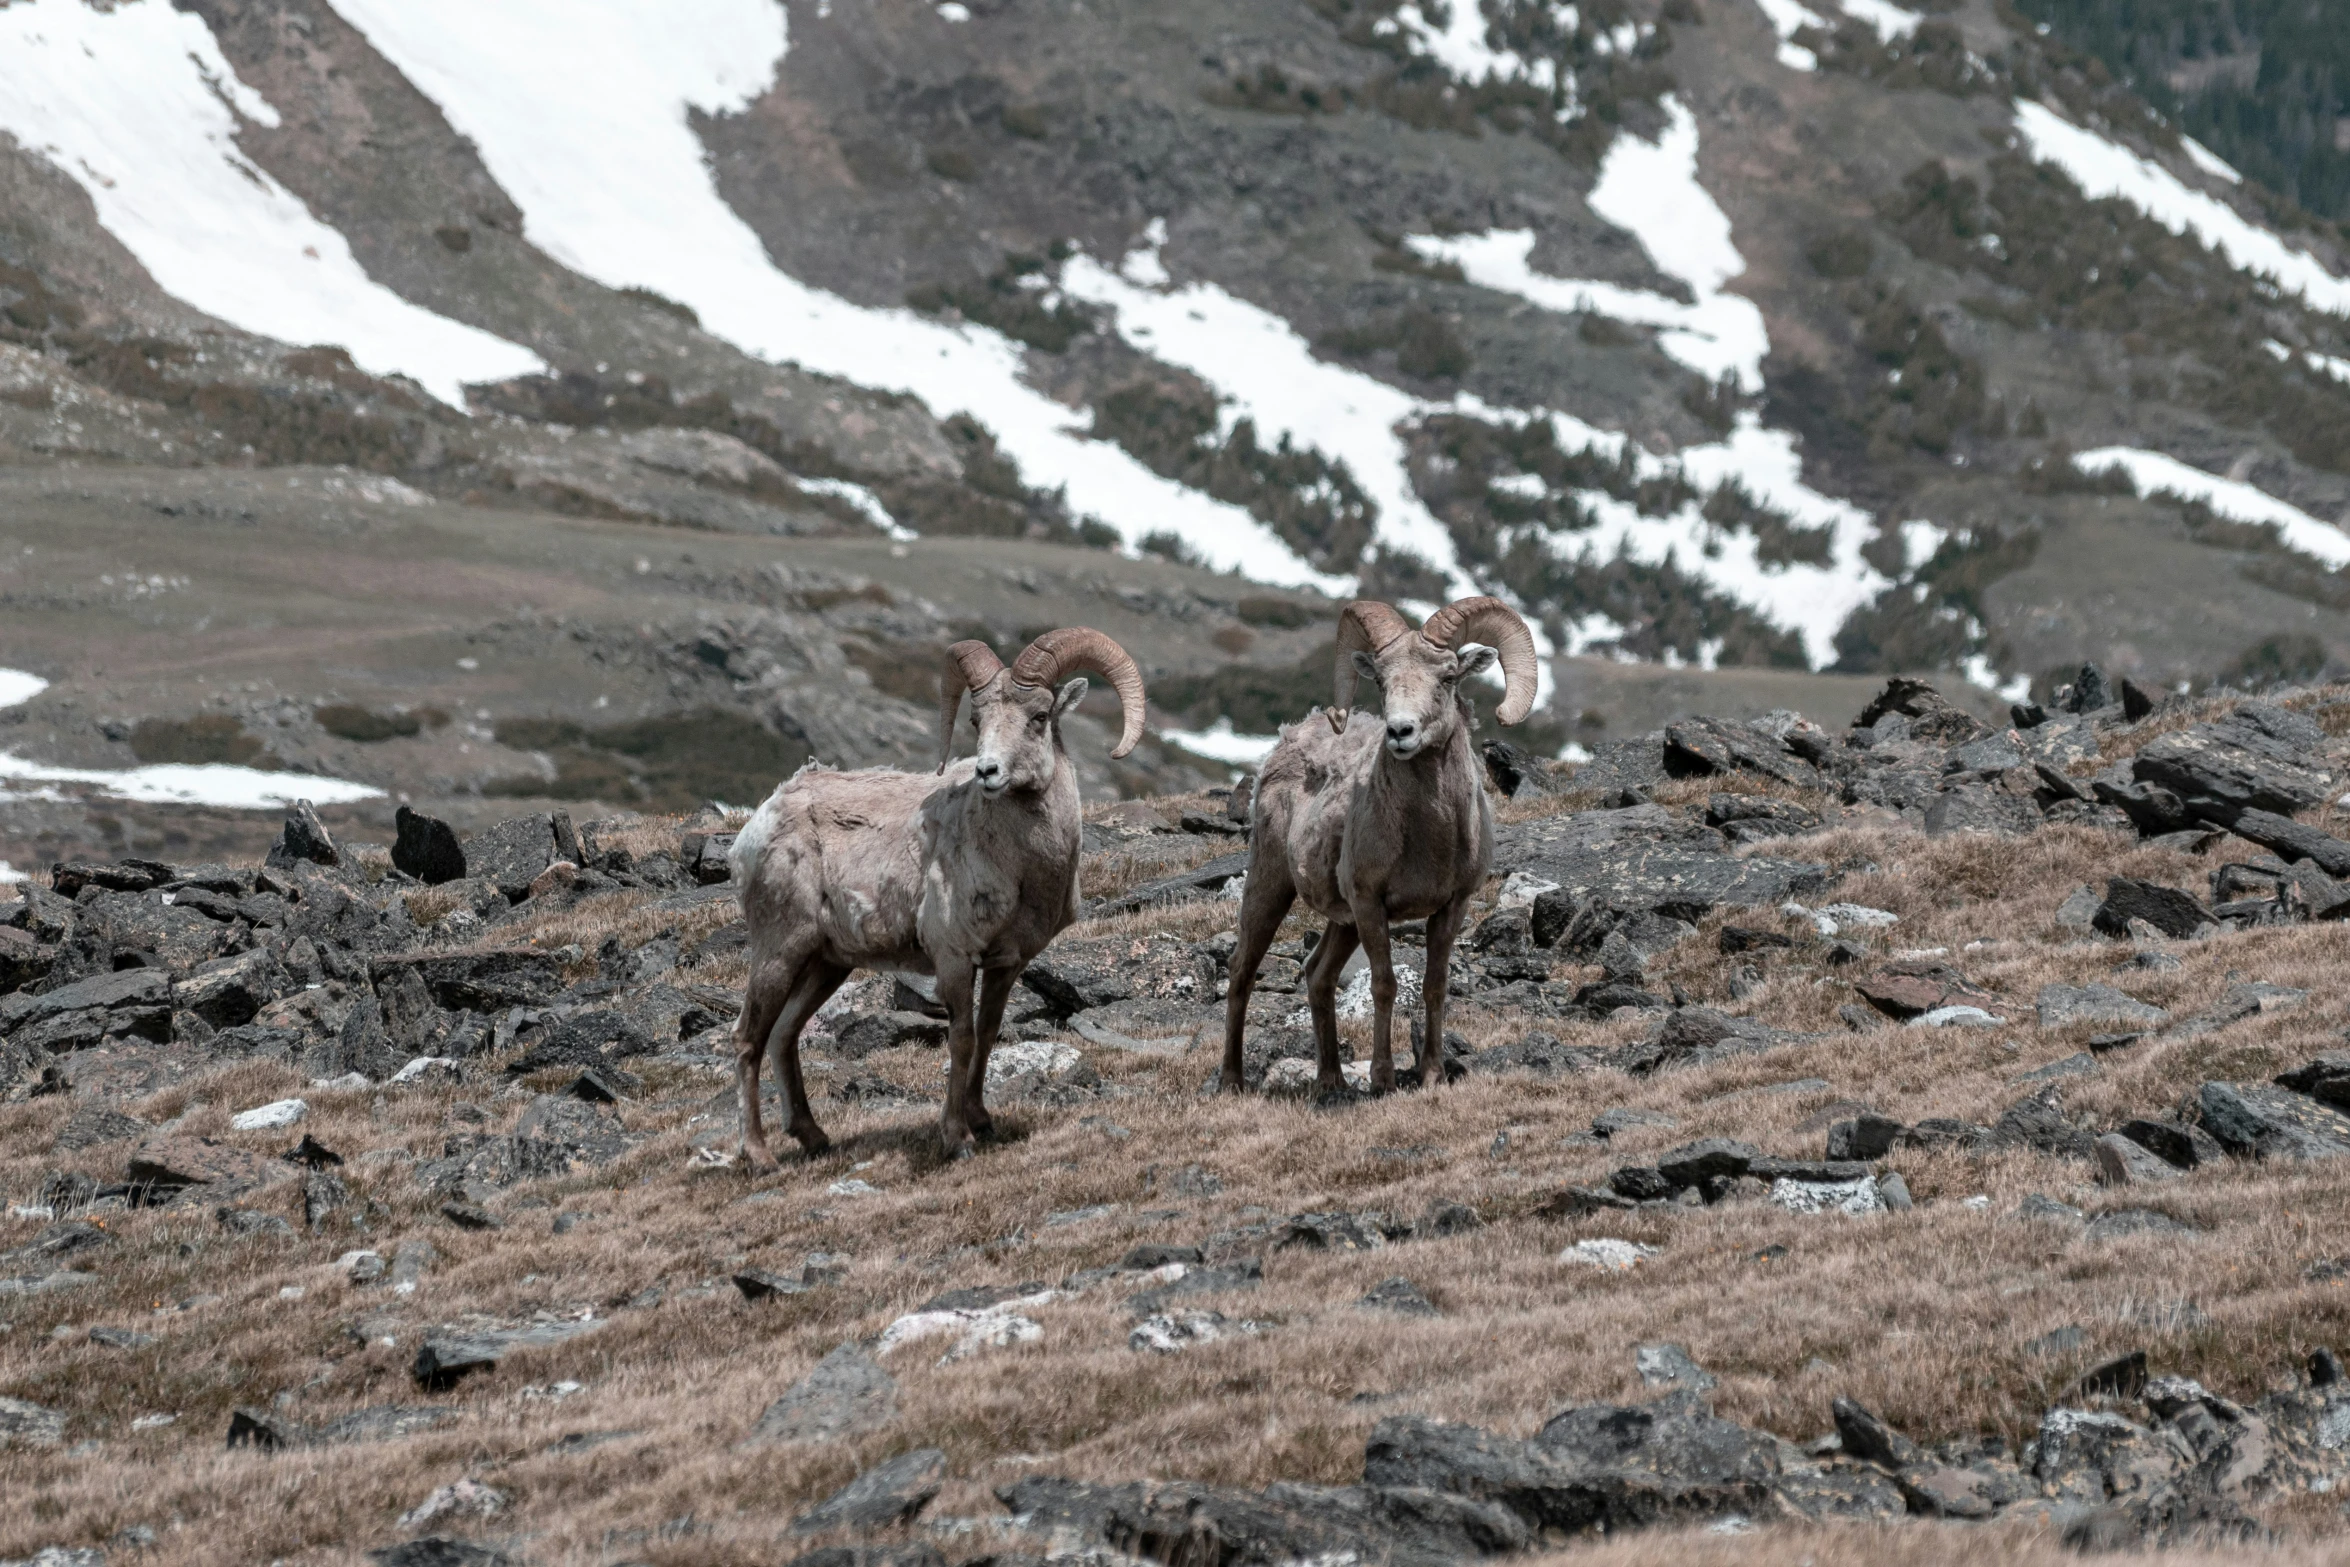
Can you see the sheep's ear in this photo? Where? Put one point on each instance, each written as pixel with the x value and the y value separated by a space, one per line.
pixel 1071 694
pixel 1366 666
pixel 1475 660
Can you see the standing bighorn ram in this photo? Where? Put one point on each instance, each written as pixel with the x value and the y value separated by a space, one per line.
pixel 966 873
pixel 1378 819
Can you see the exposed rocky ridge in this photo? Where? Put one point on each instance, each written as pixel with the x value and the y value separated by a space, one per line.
pixel 550 1070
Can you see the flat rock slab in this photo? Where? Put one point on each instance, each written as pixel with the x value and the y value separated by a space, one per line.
pixel 1199 882
pixel 2060 1006
pixel 25 1424
pixel 2267 1122
pixel 449 1354
pixel 846 1393
pixel 1648 857
pixel 883 1496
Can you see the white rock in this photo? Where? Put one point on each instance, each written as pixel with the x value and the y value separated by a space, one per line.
pixel 852 1186
pixel 268 1117
pixel 459 1499
pixel 1861 914
pixel 1976 1203
pixel 1011 1058
pixel 427 1068
pixel 349 1080
pixel 1956 1017
pixel 151 1422
pixel 1616 1256
pixel 1522 888
pixel 1854 1197
pixel 1295 1077
pixel 994 1327
pixel 1170 1332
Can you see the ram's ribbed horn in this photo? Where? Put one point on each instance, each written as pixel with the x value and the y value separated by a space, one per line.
pixel 1056 655
pixel 1497 626
pixel 1364 626
pixel 969 666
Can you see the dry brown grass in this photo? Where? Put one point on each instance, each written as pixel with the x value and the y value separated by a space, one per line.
pixel 1923 1316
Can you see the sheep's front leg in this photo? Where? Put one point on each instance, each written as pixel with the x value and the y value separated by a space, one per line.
pixel 954 988
pixel 995 988
pixel 1371 923
pixel 1444 927
pixel 1338 943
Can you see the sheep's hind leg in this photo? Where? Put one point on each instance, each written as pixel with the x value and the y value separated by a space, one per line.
pixel 995 989
pixel 816 984
pixel 1338 944
pixel 765 996
pixel 1264 898
pixel 954 988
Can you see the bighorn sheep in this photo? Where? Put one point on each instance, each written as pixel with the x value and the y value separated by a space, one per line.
pixel 966 873
pixel 1379 819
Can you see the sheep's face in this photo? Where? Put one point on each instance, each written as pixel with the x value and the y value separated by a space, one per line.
pixel 1019 732
pixel 1419 683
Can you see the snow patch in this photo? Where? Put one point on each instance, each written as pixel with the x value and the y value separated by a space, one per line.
pixel 173 783
pixel 1890 21
pixel 1268 373
pixel 864 500
pixel 2153 473
pixel 17 687
pixel 1218 743
pixel 1787 18
pixel 2210 162
pixel 137 105
pixel 2103 169
pixel 1459 45
pixel 1720 334
pixel 583 111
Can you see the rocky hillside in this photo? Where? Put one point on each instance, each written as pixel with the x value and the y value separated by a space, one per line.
pixel 351 376
pixel 1852 1135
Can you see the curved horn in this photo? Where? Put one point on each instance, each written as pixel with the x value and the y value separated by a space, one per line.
pixel 1364 626
pixel 1054 656
pixel 969 665
pixel 1495 624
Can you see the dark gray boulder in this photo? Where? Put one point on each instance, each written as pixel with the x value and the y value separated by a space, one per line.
pixel 2179 1143
pixel 1595 1467
pixel 888 1494
pixel 1402 1526
pixel 512 853
pixel 449 1354
pixel 1694 1163
pixel 2326 1079
pixel 2259 757
pixel 489 981
pixel 1644 858
pixel 426 848
pixel 2176 914
pixel 1866 1437
pixel 2258 1120
pixel 304 838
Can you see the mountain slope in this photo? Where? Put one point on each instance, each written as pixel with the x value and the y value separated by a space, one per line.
pixel 1712 334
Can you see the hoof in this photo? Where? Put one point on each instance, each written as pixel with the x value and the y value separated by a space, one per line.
pixel 760 1162
pixel 955 1141
pixel 981 1126
pixel 1229 1083
pixel 813 1142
